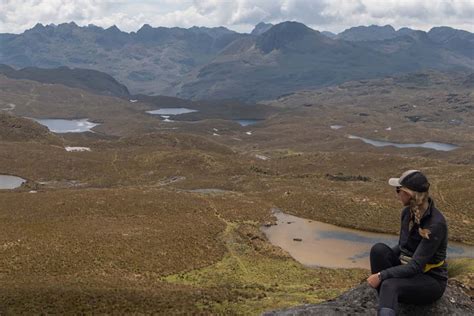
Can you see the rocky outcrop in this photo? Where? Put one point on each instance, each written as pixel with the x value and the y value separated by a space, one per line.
pixel 362 300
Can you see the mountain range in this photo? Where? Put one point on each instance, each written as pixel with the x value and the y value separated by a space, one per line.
pixel 217 63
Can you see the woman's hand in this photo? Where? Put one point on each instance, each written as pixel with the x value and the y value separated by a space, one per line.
pixel 374 280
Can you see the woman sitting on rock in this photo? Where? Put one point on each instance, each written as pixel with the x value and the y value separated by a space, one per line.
pixel 414 271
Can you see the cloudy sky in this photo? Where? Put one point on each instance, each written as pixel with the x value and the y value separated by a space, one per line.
pixel 240 15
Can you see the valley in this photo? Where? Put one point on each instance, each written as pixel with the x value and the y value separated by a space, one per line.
pixel 167 215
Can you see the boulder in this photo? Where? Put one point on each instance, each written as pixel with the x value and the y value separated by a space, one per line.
pixel 362 300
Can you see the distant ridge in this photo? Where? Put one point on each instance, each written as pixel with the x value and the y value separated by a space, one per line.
pixel 368 33
pixel 91 80
pixel 447 36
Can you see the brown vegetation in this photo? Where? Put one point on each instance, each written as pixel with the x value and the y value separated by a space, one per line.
pixel 120 228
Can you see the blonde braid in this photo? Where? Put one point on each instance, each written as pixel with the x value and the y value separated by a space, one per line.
pixel 416 202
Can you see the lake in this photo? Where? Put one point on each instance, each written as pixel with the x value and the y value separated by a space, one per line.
pixel 248 122
pixel 314 243
pixel 8 182
pixel 165 113
pixel 429 145
pixel 72 149
pixel 171 111
pixel 67 126
pixel 209 191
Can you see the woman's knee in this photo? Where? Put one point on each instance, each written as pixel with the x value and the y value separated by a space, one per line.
pixel 379 249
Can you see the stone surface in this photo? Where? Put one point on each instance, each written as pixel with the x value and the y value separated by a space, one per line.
pixel 362 300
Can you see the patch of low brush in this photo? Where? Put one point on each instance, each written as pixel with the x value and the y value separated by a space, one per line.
pixel 262 277
pixel 460 266
pixel 462 270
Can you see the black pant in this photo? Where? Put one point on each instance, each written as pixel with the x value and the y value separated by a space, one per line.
pixel 418 289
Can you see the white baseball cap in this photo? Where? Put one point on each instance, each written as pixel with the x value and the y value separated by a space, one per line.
pixel 414 180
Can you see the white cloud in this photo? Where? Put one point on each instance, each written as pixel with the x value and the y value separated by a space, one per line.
pixel 241 15
pixel 17 15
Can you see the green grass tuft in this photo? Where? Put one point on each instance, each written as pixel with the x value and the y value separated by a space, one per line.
pixel 460 266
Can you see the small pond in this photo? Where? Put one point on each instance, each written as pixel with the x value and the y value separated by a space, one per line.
pixel 8 182
pixel 429 145
pixel 72 149
pixel 171 111
pixel 248 122
pixel 315 243
pixel 165 113
pixel 67 126
pixel 209 191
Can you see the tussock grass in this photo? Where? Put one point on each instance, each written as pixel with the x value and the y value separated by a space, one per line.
pixel 460 266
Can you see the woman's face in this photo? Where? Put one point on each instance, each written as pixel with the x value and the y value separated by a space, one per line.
pixel 404 196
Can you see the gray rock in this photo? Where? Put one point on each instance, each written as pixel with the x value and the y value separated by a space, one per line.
pixel 362 300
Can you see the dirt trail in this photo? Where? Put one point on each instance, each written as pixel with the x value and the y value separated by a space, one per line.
pixel 228 239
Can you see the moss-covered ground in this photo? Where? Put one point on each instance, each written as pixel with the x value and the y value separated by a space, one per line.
pixel 263 277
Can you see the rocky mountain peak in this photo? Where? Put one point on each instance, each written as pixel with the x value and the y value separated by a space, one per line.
pixel 38 26
pixel 68 26
pixel 282 35
pixel 261 28
pixel 145 28
pixel 442 34
pixel 368 33
pixel 113 29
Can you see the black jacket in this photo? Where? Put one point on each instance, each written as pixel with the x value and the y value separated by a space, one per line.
pixel 423 251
